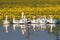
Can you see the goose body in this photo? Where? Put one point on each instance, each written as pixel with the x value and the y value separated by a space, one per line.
pixel 22 23
pixel 15 21
pixel 50 20
pixel 6 20
pixel 23 20
pixel 43 20
pixel 38 22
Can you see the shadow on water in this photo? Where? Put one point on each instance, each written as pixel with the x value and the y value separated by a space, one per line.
pixel 29 32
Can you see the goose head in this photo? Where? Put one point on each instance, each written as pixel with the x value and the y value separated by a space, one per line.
pixel 22 14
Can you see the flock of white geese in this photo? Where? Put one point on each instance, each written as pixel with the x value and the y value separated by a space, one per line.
pixel 36 22
pixel 26 20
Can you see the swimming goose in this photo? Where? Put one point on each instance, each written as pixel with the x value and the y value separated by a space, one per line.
pixel 50 20
pixel 43 20
pixel 6 20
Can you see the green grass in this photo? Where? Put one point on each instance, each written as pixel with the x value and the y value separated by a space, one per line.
pixel 30 7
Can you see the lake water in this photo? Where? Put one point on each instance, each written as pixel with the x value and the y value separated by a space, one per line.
pixel 17 32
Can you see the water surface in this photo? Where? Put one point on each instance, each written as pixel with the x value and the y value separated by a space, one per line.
pixel 15 32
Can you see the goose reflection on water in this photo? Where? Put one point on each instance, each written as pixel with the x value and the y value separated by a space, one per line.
pixel 51 26
pixel 34 26
pixel 25 30
pixel 6 27
pixel 14 26
pixel 43 27
pixel 22 27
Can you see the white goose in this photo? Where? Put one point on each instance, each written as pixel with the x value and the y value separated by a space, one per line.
pixel 15 21
pixel 51 20
pixel 23 21
pixel 6 20
pixel 43 20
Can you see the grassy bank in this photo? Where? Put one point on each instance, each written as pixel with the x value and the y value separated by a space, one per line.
pixel 30 8
pixel 29 12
